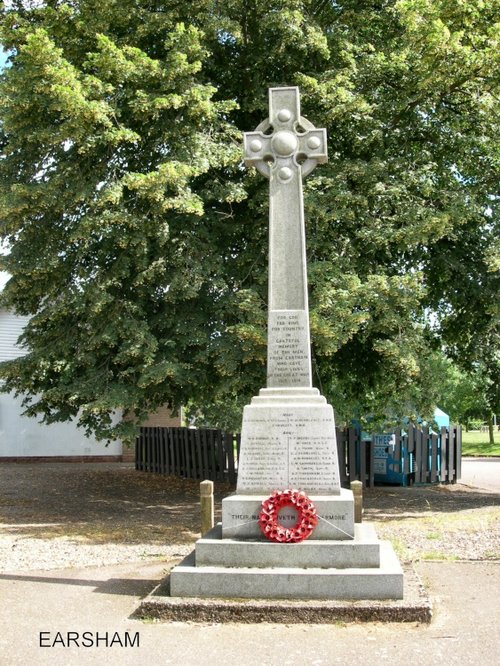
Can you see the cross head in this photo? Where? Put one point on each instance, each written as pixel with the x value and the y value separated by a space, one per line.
pixel 286 143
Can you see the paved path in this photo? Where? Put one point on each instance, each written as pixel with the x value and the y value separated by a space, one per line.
pixel 464 630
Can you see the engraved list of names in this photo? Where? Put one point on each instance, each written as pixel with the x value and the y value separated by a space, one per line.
pixel 294 449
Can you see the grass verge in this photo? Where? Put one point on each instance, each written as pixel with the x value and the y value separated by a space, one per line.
pixel 476 443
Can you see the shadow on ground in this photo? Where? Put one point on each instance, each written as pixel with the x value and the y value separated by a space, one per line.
pixel 138 587
pixel 397 502
pixel 107 502
pixel 100 502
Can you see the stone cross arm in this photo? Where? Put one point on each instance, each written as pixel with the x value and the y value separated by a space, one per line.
pixel 286 142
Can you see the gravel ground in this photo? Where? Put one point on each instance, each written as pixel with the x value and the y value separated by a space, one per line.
pixel 449 522
pixel 59 515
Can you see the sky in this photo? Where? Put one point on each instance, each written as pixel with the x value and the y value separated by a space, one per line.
pixel 3 58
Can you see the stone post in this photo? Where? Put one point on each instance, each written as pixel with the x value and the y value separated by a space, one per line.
pixel 357 491
pixel 207 506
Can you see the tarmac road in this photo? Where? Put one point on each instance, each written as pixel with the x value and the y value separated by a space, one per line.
pixel 481 473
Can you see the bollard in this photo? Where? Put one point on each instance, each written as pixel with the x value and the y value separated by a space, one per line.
pixel 357 491
pixel 207 506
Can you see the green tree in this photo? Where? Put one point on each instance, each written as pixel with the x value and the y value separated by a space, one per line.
pixel 108 130
pixel 461 394
pixel 464 286
pixel 139 244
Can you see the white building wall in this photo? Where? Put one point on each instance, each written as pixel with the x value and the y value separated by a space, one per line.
pixel 11 327
pixel 21 436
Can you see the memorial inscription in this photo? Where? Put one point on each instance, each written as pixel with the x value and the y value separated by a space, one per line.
pixel 291 448
pixel 288 358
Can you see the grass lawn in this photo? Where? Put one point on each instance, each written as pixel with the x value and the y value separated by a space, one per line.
pixel 475 443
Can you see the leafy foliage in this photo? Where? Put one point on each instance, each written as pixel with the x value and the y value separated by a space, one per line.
pixel 139 244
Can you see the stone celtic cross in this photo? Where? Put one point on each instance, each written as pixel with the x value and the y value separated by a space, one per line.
pixel 286 148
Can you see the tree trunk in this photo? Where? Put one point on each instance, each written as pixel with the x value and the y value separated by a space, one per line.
pixel 490 429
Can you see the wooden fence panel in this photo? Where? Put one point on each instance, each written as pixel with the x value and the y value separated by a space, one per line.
pixel 186 471
pixel 138 451
pixel 458 454
pixel 181 452
pixel 174 460
pixel 144 452
pixel 157 446
pixel 174 453
pixel 153 450
pixel 409 463
pixel 418 455
pixel 199 453
pixel 341 454
pixel 425 456
pixel 211 455
pixel 434 458
pixel 397 456
pixel 362 462
pixel 148 450
pixel 169 451
pixel 220 455
pixel 352 441
pixel 443 477
pixel 204 444
pixel 229 449
pixel 193 457
pixel 371 466
pixel 451 455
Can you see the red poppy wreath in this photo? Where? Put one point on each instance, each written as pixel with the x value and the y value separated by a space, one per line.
pixel 307 517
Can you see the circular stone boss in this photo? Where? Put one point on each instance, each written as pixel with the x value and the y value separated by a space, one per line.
pixel 284 115
pixel 285 173
pixel 255 145
pixel 284 143
pixel 313 142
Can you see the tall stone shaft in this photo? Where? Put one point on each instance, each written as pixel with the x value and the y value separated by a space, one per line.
pixel 285 148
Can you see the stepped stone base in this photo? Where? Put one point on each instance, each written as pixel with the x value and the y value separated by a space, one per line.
pixel 363 568
pixel 415 606
pixel 362 551
pixel 240 514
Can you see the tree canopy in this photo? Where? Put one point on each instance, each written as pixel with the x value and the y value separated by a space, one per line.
pixel 138 242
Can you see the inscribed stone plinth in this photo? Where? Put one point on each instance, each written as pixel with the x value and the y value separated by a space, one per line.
pixel 288 441
pixel 240 515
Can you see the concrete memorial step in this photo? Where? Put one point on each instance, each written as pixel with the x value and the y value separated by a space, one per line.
pixel 282 582
pixel 361 551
